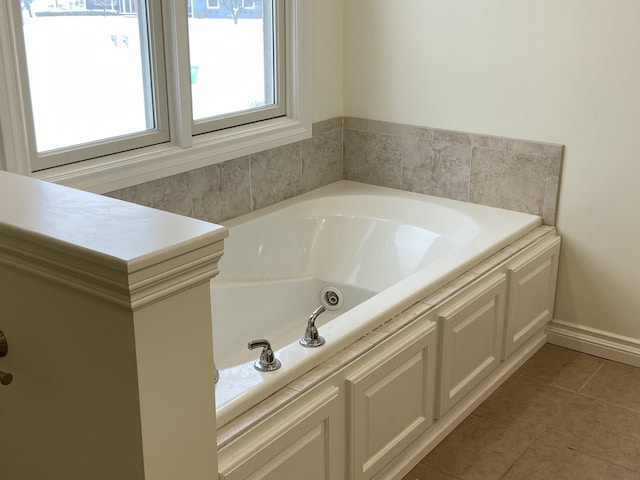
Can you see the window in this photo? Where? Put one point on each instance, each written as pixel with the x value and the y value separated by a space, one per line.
pixel 235 67
pixel 95 81
pixel 213 4
pixel 102 95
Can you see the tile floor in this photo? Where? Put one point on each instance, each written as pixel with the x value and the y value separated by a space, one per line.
pixel 562 415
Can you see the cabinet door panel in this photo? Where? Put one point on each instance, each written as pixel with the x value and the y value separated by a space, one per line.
pixel 471 340
pixel 306 443
pixel 392 398
pixel 306 457
pixel 532 282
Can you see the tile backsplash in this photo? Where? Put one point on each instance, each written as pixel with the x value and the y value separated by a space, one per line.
pixel 238 186
pixel 497 171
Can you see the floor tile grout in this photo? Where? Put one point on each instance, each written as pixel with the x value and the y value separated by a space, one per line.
pixel 506 472
pixel 591 377
pixel 607 402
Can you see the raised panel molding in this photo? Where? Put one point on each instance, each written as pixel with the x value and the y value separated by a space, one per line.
pixel 532 281
pixel 391 398
pixel 301 444
pixel 471 330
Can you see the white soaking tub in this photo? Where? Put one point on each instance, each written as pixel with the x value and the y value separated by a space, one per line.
pixel 381 249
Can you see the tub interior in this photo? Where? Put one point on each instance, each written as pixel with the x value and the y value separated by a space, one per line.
pixel 275 265
pixel 343 245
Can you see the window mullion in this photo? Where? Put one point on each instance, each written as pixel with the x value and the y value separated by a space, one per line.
pixel 178 68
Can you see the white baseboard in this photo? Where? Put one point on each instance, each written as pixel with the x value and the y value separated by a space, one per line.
pixel 594 342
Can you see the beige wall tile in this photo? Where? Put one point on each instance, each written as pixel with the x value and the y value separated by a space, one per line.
pixel 322 160
pixel 515 181
pixel 372 158
pixel 276 175
pixel 221 191
pixel 170 194
pixel 326 126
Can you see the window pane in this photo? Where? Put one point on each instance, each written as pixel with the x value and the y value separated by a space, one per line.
pixel 232 57
pixel 89 70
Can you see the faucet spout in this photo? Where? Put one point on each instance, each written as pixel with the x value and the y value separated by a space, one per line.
pixel 311 337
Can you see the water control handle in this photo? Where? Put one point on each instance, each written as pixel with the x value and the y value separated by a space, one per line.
pixel 311 337
pixel 267 361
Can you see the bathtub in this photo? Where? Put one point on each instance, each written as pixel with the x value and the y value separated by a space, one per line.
pixel 380 249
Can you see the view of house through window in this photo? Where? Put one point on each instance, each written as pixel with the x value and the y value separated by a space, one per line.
pixel 232 59
pixel 97 75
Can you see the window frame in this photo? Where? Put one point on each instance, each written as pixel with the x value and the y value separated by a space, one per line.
pixel 185 150
pixel 275 62
pixel 110 145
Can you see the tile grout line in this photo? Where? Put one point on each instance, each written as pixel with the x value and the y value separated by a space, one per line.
pixel 590 377
pixel 510 467
pixel 539 437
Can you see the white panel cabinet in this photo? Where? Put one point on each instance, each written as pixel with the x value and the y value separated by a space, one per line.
pixel 305 441
pixel 532 288
pixel 471 329
pixel 391 398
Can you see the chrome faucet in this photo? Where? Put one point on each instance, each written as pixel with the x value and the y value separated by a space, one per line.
pixel 267 361
pixel 311 336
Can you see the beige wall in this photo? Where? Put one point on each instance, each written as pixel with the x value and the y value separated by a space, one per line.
pixel 327 52
pixel 559 71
